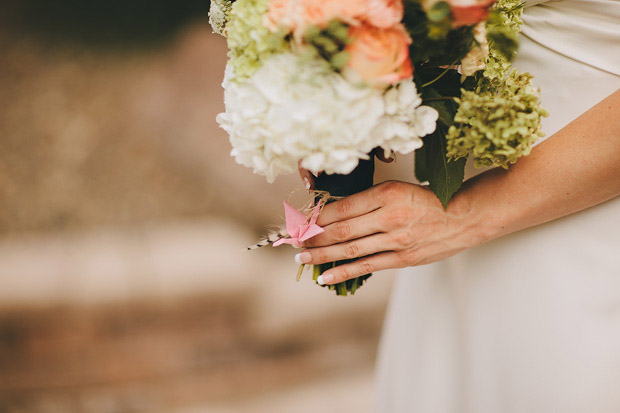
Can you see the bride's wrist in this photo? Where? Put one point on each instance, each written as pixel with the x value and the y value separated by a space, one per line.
pixel 475 221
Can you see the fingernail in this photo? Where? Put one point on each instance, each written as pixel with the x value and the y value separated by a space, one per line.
pixel 303 258
pixel 307 182
pixel 325 278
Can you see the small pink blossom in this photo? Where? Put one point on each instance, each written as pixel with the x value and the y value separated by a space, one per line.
pixel 476 58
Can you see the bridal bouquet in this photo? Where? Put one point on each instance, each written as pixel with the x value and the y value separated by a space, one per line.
pixel 325 84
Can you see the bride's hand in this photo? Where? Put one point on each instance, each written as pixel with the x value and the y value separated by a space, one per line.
pixel 391 225
pixel 396 224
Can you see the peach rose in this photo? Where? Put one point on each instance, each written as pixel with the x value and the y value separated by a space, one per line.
pixel 468 12
pixel 379 56
pixel 321 12
pixel 297 15
pixel 279 15
pixel 384 13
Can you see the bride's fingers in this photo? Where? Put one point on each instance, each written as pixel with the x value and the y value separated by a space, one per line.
pixel 380 154
pixel 353 228
pixel 363 266
pixel 306 177
pixel 347 250
pixel 351 206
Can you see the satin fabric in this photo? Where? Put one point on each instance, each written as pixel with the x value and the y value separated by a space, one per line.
pixel 529 322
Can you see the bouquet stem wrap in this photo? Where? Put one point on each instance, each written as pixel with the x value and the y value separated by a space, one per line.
pixel 360 179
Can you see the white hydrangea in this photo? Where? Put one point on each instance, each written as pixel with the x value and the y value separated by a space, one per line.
pixel 292 110
pixel 405 121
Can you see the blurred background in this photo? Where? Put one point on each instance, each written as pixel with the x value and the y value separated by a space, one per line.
pixel 124 284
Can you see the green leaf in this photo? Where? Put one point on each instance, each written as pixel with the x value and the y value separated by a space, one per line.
pixel 439 12
pixel 446 109
pixel 505 42
pixel 421 169
pixel 435 41
pixel 445 176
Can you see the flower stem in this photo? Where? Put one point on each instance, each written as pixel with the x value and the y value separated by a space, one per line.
pixel 301 269
pixel 440 76
pixel 439 98
pixel 316 271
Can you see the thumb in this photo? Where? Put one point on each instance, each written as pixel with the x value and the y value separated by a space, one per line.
pixel 306 177
pixel 380 154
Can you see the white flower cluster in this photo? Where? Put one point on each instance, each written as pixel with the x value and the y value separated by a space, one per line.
pixel 292 110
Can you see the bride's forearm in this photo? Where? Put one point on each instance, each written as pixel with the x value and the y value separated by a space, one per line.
pixel 574 169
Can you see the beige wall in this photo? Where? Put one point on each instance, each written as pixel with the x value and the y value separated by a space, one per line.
pixel 124 284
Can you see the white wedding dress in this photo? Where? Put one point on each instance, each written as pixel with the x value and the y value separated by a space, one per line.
pixel 528 323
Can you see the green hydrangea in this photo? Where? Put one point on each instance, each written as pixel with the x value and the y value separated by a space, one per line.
pixel 499 118
pixel 497 125
pixel 510 14
pixel 503 28
pixel 249 41
pixel 218 15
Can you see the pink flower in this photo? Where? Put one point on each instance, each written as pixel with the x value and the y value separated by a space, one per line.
pixel 469 12
pixel 379 56
pixel 297 15
pixel 321 12
pixel 279 15
pixel 384 13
